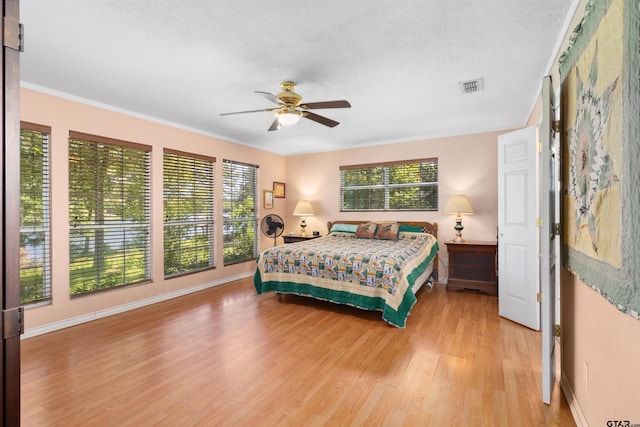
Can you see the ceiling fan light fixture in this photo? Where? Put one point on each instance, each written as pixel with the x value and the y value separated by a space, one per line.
pixel 288 118
pixel 290 108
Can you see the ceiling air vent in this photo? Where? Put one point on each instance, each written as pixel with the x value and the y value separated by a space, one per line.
pixel 471 86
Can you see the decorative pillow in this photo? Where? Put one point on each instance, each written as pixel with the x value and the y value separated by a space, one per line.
pixel 366 230
pixel 388 231
pixel 347 228
pixel 410 228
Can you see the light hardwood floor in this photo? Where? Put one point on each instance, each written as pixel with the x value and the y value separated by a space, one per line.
pixel 226 356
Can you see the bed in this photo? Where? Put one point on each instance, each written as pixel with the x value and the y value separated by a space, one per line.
pixel 370 265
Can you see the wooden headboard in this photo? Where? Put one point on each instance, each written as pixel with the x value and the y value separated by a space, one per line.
pixel 427 227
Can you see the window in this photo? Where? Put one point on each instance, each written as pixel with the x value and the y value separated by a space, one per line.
pixel 394 186
pixel 108 213
pixel 188 212
pixel 240 211
pixel 35 232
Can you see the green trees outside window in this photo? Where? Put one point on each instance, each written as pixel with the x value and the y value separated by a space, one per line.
pixel 110 219
pixel 239 211
pixel 109 213
pixel 35 232
pixel 188 212
pixel 393 186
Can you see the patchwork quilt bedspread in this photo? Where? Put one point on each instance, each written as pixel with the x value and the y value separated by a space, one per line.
pixel 366 273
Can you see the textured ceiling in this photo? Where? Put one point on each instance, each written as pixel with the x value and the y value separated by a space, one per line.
pixel 397 62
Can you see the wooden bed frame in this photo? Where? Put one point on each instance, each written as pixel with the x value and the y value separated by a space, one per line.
pixel 427 227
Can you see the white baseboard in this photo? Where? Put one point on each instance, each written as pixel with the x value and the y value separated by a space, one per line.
pixel 574 406
pixel 73 321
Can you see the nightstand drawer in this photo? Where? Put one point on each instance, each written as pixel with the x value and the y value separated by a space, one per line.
pixel 473 266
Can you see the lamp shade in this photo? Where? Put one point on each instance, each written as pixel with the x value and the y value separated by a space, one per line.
pixel 458 204
pixel 303 208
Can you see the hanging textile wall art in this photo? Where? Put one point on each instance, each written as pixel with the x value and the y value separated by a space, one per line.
pixel 600 111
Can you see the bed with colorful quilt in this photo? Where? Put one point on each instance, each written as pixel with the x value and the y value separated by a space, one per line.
pixel 370 265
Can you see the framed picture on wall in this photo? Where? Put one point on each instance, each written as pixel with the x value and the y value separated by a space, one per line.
pixel 278 190
pixel 268 199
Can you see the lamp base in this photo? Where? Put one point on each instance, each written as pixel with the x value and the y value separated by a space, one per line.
pixel 303 227
pixel 458 227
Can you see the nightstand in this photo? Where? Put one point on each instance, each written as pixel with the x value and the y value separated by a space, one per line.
pixel 473 265
pixel 293 238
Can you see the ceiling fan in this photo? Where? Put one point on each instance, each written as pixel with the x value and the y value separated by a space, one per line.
pixel 290 108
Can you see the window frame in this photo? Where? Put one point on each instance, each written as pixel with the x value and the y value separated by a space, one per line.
pixel 388 186
pixel 204 194
pixel 102 225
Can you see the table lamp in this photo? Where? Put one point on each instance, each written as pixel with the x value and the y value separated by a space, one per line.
pixel 458 205
pixel 303 209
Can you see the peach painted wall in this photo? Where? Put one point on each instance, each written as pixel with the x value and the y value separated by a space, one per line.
pixel 64 115
pixel 599 354
pixel 466 165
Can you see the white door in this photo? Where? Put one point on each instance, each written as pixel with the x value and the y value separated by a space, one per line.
pixel 549 242
pixel 518 283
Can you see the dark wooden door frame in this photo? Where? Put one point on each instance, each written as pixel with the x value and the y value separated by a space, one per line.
pixel 11 319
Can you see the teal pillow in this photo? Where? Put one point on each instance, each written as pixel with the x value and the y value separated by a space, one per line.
pixel 347 228
pixel 410 228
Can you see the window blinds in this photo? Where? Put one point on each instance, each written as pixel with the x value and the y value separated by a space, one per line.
pixel 109 213
pixel 240 211
pixel 35 228
pixel 410 185
pixel 188 212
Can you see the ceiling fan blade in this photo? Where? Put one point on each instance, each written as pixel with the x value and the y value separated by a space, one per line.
pixel 327 104
pixel 271 97
pixel 320 119
pixel 249 111
pixel 275 125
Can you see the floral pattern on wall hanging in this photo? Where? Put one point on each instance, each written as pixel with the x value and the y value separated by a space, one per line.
pixel 593 180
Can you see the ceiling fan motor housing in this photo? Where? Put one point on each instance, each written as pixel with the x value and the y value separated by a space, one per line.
pixel 288 96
